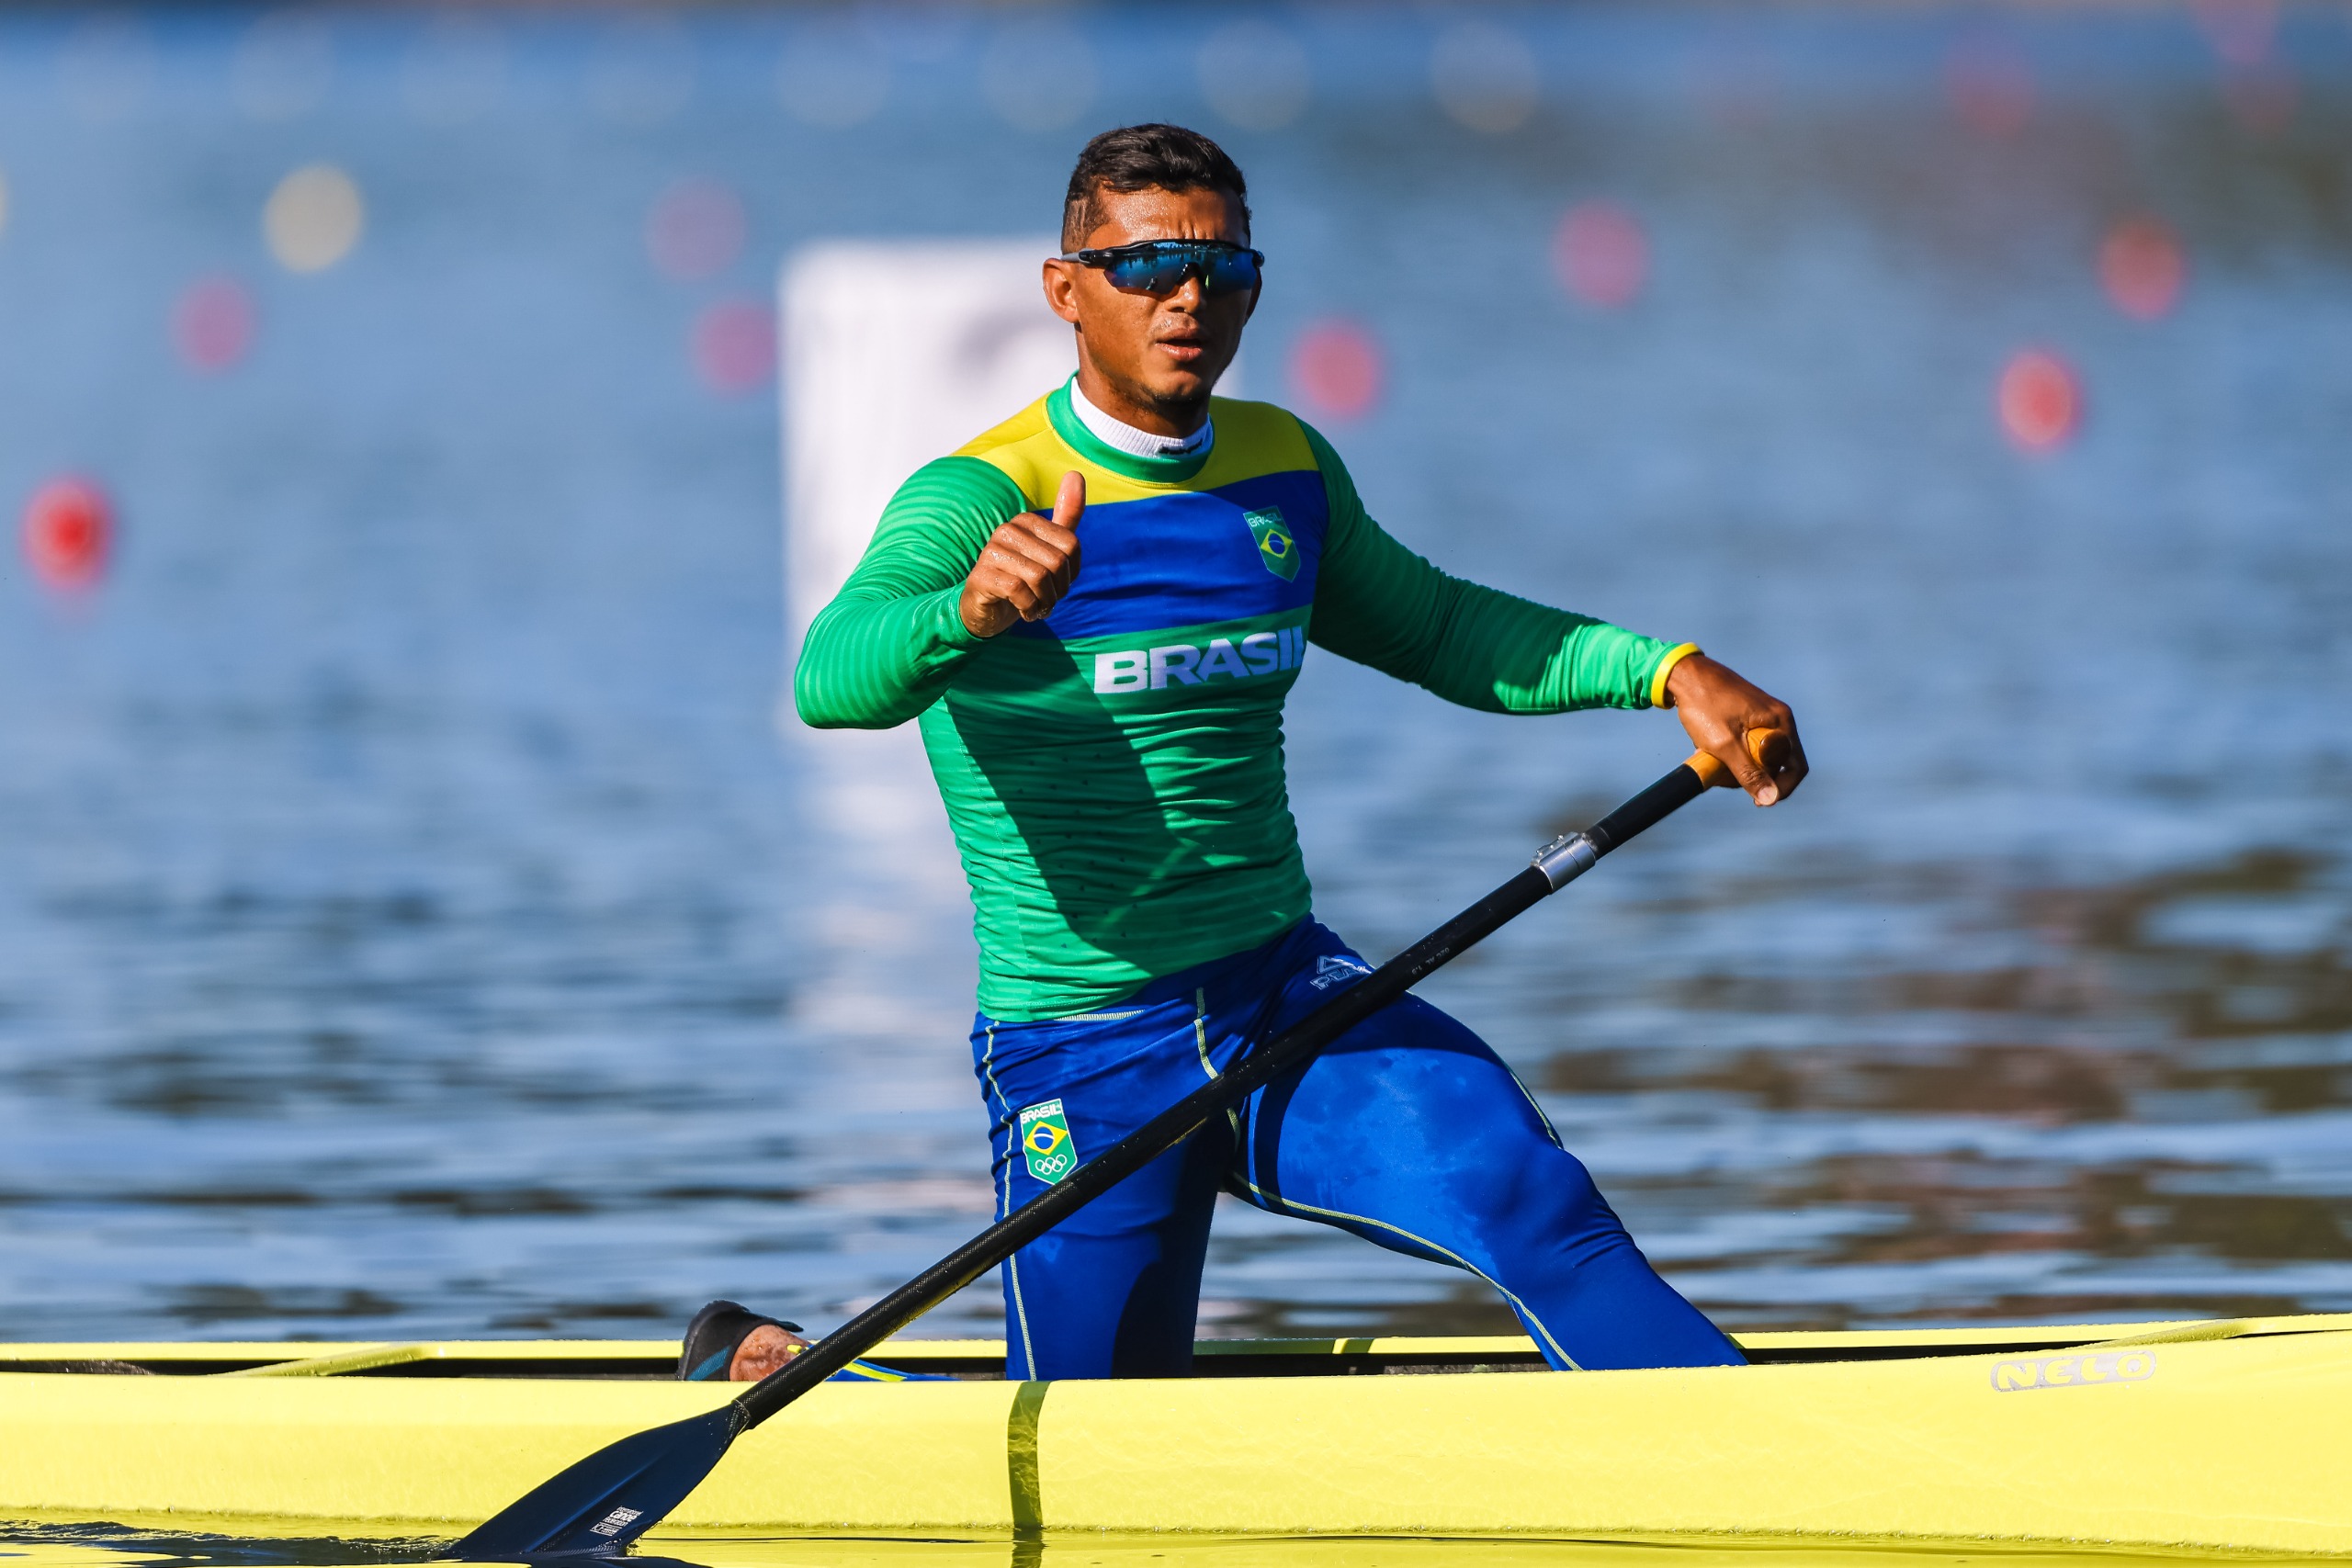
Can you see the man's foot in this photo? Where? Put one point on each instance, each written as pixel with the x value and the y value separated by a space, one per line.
pixel 728 1342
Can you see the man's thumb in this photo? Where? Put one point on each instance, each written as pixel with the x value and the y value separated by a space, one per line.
pixel 1069 502
pixel 1759 757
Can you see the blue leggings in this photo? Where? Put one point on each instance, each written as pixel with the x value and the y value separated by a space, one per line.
pixel 1407 1130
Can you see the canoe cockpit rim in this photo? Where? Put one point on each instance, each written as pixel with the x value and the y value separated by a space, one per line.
pixel 642 1359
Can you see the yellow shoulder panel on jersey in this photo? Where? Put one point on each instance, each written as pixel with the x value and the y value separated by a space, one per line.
pixel 1025 449
pixel 1251 439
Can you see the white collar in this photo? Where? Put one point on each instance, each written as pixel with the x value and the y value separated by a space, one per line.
pixel 1120 437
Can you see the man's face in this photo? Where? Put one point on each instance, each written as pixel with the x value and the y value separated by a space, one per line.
pixel 1164 352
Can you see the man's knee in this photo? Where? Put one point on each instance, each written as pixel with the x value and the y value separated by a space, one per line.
pixel 1538 1194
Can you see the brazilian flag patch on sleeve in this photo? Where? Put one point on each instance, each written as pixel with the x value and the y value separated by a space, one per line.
pixel 1045 1141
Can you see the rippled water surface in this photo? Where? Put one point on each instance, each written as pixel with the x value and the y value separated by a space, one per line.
pixel 413 922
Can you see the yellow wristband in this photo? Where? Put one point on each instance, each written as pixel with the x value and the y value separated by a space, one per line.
pixel 1674 656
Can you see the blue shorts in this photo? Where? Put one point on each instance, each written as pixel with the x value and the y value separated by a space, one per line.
pixel 1407 1130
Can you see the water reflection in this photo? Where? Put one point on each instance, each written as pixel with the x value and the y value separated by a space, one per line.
pixel 2160 1094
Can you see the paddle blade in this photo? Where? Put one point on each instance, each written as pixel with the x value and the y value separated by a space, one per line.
pixel 609 1499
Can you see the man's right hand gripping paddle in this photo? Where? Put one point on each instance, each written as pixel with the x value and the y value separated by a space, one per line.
pixel 1749 730
pixel 1026 566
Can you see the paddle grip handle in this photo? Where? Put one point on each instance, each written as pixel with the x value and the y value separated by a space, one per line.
pixel 1291 1047
pixel 1767 746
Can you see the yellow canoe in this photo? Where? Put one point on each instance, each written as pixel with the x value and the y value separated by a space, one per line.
pixel 2233 1435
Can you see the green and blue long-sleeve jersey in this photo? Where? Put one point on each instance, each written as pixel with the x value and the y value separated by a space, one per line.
pixel 1113 772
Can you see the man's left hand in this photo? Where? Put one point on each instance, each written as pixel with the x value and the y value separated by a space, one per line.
pixel 763 1351
pixel 1719 708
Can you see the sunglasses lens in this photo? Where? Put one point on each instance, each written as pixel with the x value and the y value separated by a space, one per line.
pixel 1230 272
pixel 1150 272
pixel 1163 268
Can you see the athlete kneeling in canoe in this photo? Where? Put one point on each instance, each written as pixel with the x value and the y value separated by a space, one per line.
pixel 1101 704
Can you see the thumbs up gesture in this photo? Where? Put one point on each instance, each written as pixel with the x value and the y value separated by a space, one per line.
pixel 1026 566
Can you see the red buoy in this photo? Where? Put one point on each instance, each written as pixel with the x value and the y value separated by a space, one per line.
pixel 68 534
pixel 734 345
pixel 2040 402
pixel 2241 31
pixel 1601 254
pixel 1335 367
pixel 212 324
pixel 2142 268
pixel 1990 84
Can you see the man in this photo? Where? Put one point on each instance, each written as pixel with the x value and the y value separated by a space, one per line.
pixel 1095 612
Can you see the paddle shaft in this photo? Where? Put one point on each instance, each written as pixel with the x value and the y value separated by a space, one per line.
pixel 596 1507
pixel 1554 867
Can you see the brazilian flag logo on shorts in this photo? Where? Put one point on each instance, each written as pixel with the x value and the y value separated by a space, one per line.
pixel 1277 551
pixel 1045 1141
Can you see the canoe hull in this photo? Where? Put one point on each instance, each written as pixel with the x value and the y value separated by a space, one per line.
pixel 2242 1444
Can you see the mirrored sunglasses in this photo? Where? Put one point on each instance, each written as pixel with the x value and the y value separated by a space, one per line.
pixel 1161 266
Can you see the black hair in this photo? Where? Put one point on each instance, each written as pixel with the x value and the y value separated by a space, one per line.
pixel 1139 157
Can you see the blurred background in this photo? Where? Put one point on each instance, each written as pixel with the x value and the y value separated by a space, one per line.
pixel 416 917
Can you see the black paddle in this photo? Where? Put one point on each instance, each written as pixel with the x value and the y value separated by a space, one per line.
pixel 615 1494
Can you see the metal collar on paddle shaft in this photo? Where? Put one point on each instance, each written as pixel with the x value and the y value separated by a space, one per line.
pixel 1570 855
pixel 615 1494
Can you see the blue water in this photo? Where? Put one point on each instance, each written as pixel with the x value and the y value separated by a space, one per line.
pixel 414 921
